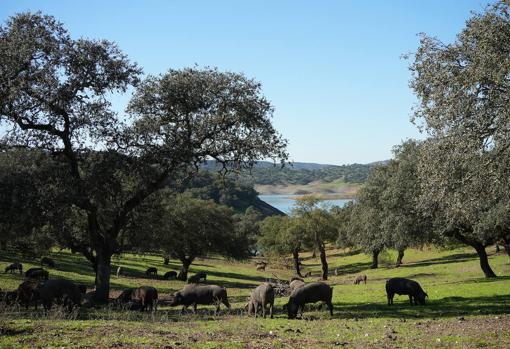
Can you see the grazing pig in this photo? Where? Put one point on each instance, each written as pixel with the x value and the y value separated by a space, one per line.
pixel 195 279
pixel 48 261
pixel 37 273
pixel 263 295
pixel 170 275
pixel 261 266
pixel 88 299
pixel 359 279
pixel 82 288
pixel 296 283
pixel 60 290
pixel 147 296
pixel 13 267
pixel 309 293
pixel 402 286
pixel 28 293
pixel 124 297
pixel 151 271
pixel 200 294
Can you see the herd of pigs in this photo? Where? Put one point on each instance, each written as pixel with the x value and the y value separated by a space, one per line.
pixel 40 289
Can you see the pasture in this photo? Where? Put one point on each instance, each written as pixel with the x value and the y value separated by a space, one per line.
pixel 464 310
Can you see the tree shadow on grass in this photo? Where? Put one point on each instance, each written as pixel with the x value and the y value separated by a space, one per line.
pixel 353 268
pixel 436 308
pixel 455 258
pixel 481 280
pixel 345 254
pixel 220 274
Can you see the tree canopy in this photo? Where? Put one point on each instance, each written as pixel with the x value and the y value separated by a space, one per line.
pixel 54 97
pixel 463 91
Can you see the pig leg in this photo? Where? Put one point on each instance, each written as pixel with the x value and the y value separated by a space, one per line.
pixel 227 304
pixel 271 310
pixel 390 298
pixel 183 309
pixel 330 307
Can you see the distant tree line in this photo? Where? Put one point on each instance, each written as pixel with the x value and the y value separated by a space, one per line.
pixel 275 175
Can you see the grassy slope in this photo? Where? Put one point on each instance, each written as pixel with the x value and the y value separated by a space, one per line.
pixel 465 310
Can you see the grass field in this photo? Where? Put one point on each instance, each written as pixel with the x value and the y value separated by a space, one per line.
pixel 464 310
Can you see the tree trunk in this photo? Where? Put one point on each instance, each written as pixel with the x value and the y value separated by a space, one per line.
pixel 375 259
pixel 506 245
pixel 484 261
pixel 324 262
pixel 183 274
pixel 166 260
pixel 297 263
pixel 103 262
pixel 314 254
pixel 497 248
pixel 482 254
pixel 400 257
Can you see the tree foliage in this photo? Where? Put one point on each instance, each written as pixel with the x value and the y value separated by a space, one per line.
pixel 53 97
pixel 188 228
pixel 463 90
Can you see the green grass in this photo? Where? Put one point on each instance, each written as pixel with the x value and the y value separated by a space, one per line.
pixel 465 310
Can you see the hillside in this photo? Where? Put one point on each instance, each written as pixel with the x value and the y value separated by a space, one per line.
pixel 305 178
pixel 464 310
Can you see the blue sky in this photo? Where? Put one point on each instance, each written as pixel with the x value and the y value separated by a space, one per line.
pixel 332 69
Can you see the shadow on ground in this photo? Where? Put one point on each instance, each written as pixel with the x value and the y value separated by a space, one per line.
pixel 440 308
pixel 455 258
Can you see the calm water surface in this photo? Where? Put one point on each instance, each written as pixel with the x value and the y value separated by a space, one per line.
pixel 285 203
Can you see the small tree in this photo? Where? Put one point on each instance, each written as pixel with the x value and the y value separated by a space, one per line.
pixel 318 226
pixel 366 226
pixel 190 228
pixel 404 223
pixel 280 235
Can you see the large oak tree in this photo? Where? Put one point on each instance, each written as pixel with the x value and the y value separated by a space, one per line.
pixel 54 96
pixel 464 106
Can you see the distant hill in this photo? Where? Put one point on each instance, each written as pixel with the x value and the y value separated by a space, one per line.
pixel 228 191
pixel 306 178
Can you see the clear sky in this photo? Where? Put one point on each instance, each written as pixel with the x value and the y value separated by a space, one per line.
pixel 332 69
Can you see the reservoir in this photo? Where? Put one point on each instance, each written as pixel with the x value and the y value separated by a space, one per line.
pixel 285 202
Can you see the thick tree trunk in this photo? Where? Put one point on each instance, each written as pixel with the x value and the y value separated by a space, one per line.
pixel 507 249
pixel 297 263
pixel 400 257
pixel 103 265
pixel 484 261
pixel 482 254
pixel 166 260
pixel 506 245
pixel 324 262
pixel 375 259
pixel 183 273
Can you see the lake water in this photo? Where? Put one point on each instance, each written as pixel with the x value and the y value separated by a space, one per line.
pixel 285 203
